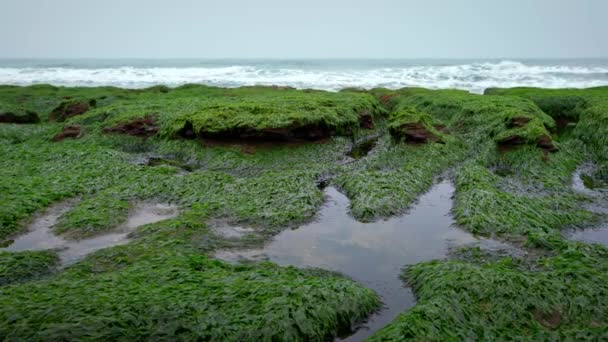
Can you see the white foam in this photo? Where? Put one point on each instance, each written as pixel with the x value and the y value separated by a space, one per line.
pixel 474 77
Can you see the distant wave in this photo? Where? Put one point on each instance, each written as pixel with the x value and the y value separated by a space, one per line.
pixel 474 77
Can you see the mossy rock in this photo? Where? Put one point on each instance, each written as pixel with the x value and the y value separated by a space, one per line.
pixel 509 120
pixel 411 125
pixel 68 109
pixel 15 114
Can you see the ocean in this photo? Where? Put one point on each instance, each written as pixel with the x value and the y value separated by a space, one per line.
pixel 473 75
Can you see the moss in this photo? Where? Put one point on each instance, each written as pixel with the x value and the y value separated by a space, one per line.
pixel 17 267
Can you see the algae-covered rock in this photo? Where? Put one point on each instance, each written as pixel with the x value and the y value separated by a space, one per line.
pixel 583 113
pixel 411 125
pixel 16 114
pixel 275 114
pixel 510 121
pixel 140 127
pixel 71 131
pixel 68 109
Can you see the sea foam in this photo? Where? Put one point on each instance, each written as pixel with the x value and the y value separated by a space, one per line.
pixel 474 77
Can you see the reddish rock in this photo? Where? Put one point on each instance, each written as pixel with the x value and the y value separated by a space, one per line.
pixel 69 109
pixel 442 128
pixel 545 142
pixel 140 127
pixel 415 132
pixel 518 121
pixel 72 131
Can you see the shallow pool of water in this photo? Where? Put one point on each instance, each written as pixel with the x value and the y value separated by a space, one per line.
pixel 40 235
pixel 598 234
pixel 370 253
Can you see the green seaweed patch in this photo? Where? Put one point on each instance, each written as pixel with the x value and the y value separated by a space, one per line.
pixel 483 208
pixel 288 115
pixel 565 298
pixel 92 216
pixel 17 267
pixel 264 113
pixel 187 296
pixel 394 176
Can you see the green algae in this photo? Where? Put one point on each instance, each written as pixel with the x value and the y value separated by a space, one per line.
pixel 518 192
pixel 564 297
pixel 250 112
pixel 17 267
pixel 93 215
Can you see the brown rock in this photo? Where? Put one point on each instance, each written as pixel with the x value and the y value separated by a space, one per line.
pixel 140 127
pixel 545 141
pixel 550 320
pixel 72 131
pixel 518 121
pixel 69 109
pixel 415 132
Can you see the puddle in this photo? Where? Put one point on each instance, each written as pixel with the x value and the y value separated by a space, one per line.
pixel 232 232
pixel 370 253
pixel 40 235
pixel 591 235
pixel 599 205
pixel 362 148
pixel 156 160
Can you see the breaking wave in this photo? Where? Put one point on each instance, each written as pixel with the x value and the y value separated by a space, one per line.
pixel 474 77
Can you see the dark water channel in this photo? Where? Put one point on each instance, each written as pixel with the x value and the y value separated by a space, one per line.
pixel 370 253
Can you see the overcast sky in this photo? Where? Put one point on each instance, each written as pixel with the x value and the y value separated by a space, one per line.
pixel 303 28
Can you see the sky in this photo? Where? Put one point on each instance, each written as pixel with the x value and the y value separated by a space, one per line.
pixel 303 29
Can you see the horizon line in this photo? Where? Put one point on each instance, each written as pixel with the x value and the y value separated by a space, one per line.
pixel 301 58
